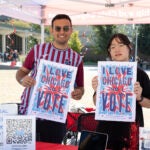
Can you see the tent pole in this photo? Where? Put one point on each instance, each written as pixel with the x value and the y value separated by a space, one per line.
pixel 136 44
pixel 42 22
pixel 42 33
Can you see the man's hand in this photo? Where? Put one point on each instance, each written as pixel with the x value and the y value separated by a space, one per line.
pixel 77 93
pixel 28 81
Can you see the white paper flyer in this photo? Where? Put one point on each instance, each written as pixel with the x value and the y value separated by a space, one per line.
pixel 6 109
pixel 115 99
pixel 52 92
pixel 19 132
pixel 144 138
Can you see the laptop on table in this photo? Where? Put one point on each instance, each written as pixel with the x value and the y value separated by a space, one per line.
pixel 90 140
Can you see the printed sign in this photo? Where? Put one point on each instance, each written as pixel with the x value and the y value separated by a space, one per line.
pixel 6 109
pixel 144 138
pixel 115 99
pixel 52 92
pixel 18 132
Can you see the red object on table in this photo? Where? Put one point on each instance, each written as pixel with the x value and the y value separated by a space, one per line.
pixel 54 146
pixel 72 121
pixel 90 109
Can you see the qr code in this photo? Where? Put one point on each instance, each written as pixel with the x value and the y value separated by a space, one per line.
pixel 147 144
pixel 18 131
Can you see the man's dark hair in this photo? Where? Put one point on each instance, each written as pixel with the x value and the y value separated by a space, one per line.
pixel 61 16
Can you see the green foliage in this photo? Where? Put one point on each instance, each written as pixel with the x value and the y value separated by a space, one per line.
pixel 35 27
pixel 102 35
pixel 47 29
pixel 19 23
pixel 143 39
pixel 50 38
pixel 31 41
pixel 75 42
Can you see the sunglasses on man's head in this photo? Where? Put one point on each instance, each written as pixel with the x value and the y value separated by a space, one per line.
pixel 65 28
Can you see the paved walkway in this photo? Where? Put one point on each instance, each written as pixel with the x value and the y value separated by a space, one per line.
pixel 11 90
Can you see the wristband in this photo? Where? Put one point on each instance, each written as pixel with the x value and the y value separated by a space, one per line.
pixel 140 99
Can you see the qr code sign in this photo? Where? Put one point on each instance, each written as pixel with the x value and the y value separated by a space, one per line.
pixel 19 131
pixel 144 138
pixel 147 144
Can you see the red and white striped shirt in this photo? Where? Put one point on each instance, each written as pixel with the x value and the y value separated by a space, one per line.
pixel 48 52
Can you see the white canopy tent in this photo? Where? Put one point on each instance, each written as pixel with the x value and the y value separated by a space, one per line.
pixel 82 12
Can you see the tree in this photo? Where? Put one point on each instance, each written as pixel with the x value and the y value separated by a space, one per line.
pixel 74 42
pixel 143 39
pixel 31 42
pixel 35 27
pixel 102 35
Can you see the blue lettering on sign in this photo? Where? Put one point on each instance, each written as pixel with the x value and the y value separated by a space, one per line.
pixel 49 103
pixel 116 101
pixel 118 70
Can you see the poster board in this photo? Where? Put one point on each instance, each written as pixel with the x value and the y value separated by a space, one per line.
pixel 144 138
pixel 52 92
pixel 19 132
pixel 6 109
pixel 115 99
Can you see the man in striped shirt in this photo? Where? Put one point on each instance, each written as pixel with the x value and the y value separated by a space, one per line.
pixel 57 51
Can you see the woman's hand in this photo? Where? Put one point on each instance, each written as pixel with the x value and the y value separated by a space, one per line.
pixel 95 83
pixel 138 90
